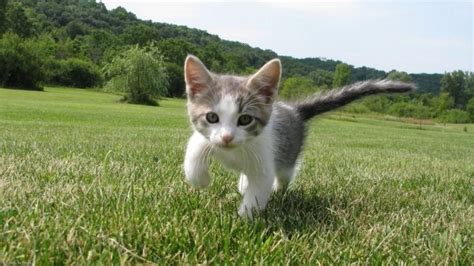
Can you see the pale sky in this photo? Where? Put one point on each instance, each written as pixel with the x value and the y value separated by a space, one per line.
pixel 414 36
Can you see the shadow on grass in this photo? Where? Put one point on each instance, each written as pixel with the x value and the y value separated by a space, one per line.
pixel 300 211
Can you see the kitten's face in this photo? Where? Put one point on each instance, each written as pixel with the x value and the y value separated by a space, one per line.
pixel 230 110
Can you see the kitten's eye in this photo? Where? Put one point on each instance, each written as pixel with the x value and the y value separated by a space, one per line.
pixel 244 120
pixel 212 117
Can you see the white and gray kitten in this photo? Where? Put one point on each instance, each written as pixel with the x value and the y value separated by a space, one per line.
pixel 237 121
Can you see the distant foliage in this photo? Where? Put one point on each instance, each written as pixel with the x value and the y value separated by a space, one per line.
pixel 321 77
pixel 76 72
pixel 297 87
pixel 459 85
pixel 23 61
pixel 342 75
pixel 140 73
pixel 399 76
pixel 470 109
pixel 454 116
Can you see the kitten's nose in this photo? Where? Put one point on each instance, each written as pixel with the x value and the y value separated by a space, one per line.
pixel 227 138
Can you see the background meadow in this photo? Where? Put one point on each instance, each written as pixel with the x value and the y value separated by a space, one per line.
pixel 87 179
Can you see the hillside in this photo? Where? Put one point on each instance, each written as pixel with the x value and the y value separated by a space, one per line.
pixel 84 28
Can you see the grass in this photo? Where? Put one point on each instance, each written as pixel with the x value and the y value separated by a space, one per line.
pixel 85 179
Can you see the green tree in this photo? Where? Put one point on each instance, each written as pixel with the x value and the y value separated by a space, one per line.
pixel 76 72
pixel 140 73
pixel 321 77
pixel 297 87
pixel 3 7
pixel 442 102
pixel 23 60
pixel 176 81
pixel 454 84
pixel 470 109
pixel 400 76
pixel 17 21
pixel 342 75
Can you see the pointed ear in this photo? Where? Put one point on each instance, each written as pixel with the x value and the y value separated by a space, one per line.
pixel 196 76
pixel 267 79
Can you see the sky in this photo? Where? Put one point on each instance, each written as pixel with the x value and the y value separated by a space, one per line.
pixel 414 36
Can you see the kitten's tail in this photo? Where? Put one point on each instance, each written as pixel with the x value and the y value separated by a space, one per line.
pixel 327 101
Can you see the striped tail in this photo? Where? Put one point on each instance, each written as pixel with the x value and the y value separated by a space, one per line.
pixel 327 101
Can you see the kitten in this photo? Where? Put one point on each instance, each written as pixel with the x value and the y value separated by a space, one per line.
pixel 237 121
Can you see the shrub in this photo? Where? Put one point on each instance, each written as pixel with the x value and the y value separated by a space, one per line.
pixel 454 116
pixel 470 109
pixel 22 61
pixel 139 72
pixel 356 108
pixel 77 73
pixel 405 109
pixel 297 88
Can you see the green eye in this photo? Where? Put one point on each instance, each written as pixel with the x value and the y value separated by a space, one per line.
pixel 245 120
pixel 212 117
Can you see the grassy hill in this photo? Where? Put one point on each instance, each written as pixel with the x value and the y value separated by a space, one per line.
pixel 85 179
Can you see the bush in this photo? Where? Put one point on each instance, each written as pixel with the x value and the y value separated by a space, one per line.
pixel 139 72
pixel 77 73
pixel 454 116
pixel 470 109
pixel 379 104
pixel 176 80
pixel 405 109
pixel 356 108
pixel 22 61
pixel 298 87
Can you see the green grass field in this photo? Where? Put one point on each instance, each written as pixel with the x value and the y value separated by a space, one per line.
pixel 86 179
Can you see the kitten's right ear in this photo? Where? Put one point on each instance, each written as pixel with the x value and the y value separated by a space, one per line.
pixel 196 75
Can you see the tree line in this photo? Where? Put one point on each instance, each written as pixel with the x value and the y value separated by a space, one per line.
pixel 80 43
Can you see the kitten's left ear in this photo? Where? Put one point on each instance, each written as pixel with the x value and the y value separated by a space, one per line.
pixel 266 79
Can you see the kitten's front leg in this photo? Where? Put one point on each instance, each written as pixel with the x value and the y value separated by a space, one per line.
pixel 257 193
pixel 196 161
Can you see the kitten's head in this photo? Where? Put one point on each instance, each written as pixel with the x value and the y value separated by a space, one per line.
pixel 230 110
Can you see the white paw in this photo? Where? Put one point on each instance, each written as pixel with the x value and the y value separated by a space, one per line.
pixel 279 186
pixel 201 180
pixel 243 184
pixel 246 212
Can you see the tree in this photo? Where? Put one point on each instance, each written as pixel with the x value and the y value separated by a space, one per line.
pixel 140 73
pixel 454 84
pixel 470 109
pixel 442 102
pixel 342 75
pixel 76 72
pixel 400 76
pixel 176 81
pixel 17 21
pixel 3 7
pixel 322 77
pixel 23 60
pixel 297 87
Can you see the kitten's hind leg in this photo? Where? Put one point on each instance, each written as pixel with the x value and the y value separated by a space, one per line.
pixel 243 183
pixel 283 178
pixel 196 161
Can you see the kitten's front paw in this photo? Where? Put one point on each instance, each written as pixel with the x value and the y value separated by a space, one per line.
pixel 201 180
pixel 279 186
pixel 247 212
pixel 250 208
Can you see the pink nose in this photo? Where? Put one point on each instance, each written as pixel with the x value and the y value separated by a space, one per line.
pixel 227 138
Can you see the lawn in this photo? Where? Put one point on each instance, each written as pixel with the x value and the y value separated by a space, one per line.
pixel 86 179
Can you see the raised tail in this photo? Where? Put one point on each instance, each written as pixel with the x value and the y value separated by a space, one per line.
pixel 327 101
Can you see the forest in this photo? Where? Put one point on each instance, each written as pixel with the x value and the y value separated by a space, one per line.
pixel 80 43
